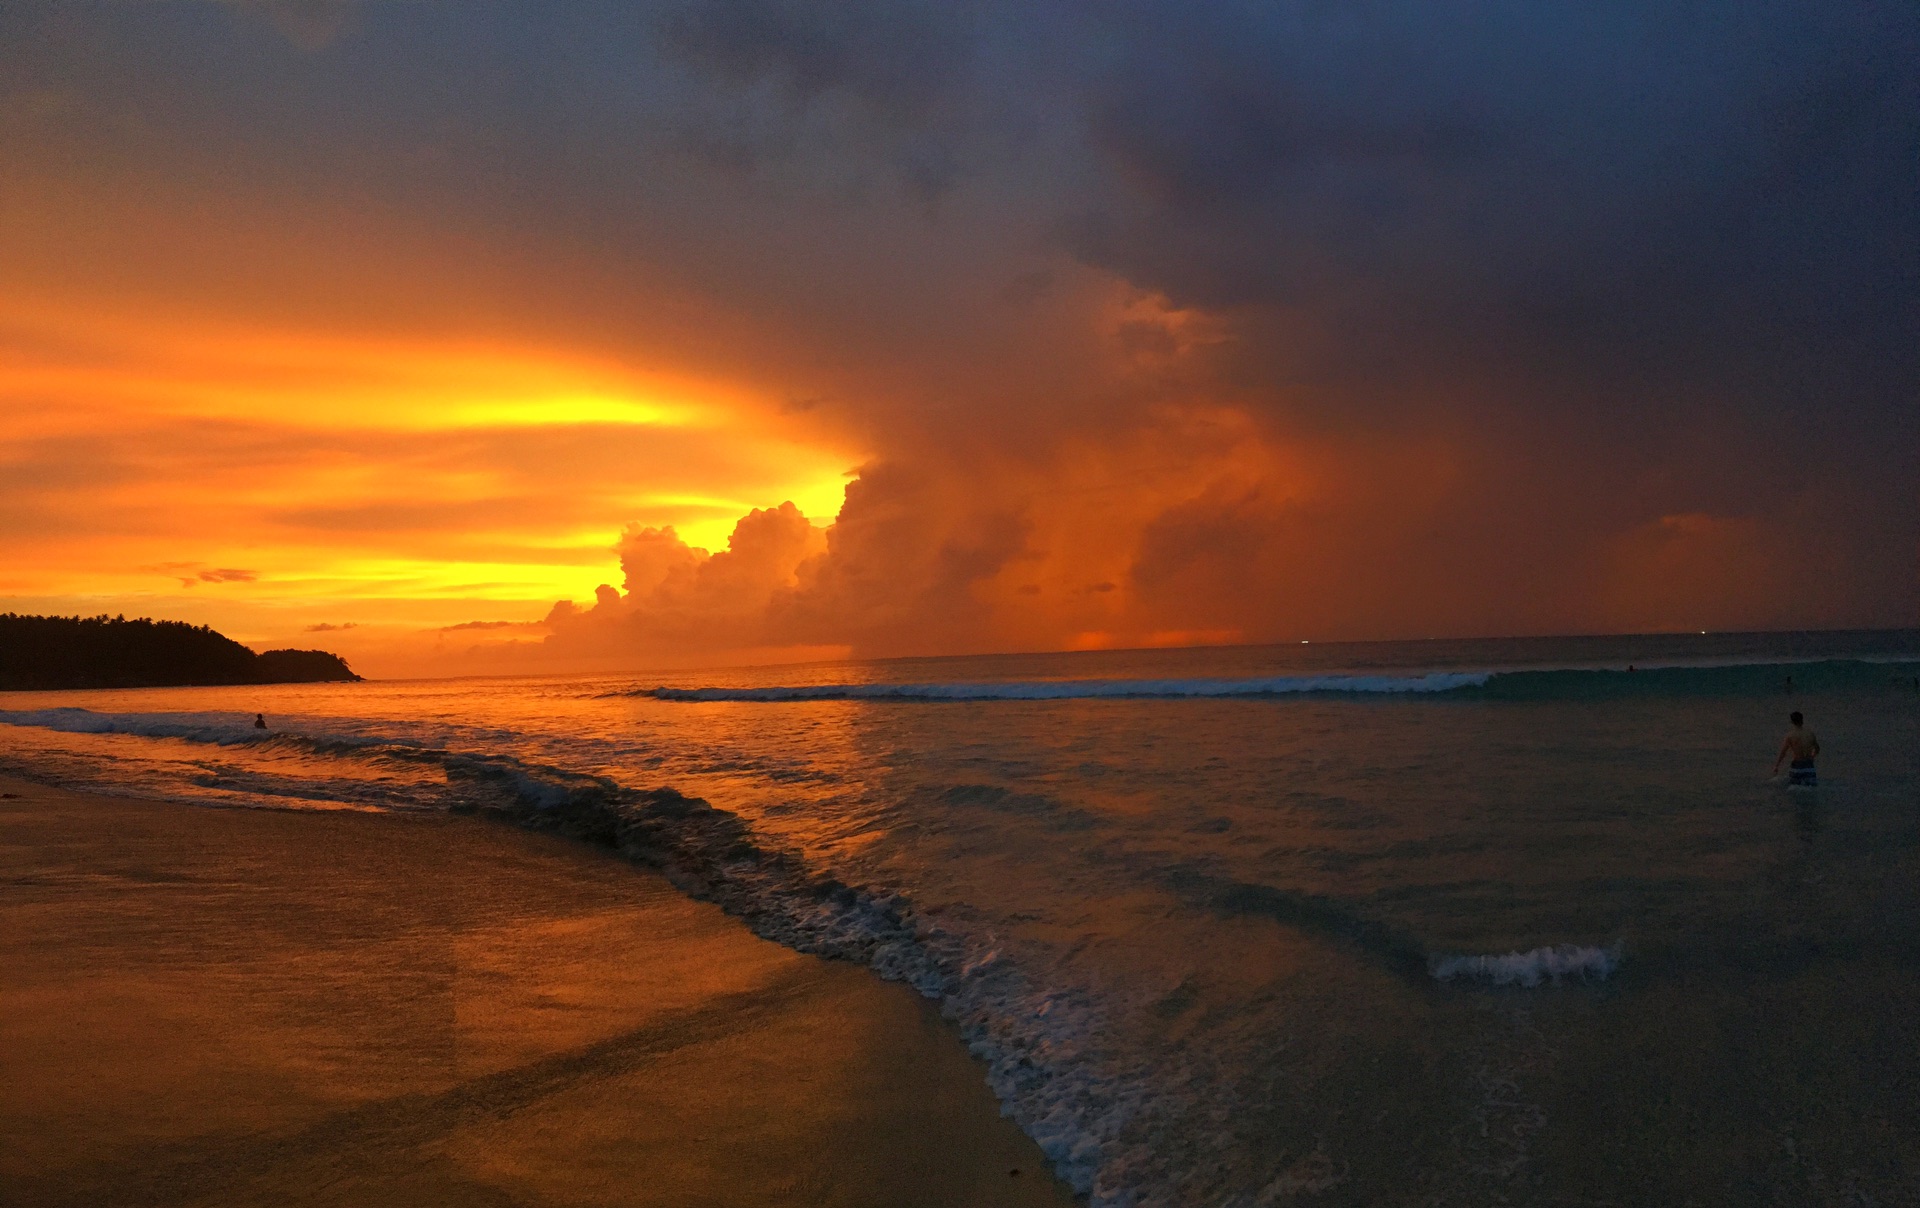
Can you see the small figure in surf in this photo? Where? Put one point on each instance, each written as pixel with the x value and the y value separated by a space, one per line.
pixel 1803 746
pixel 259 721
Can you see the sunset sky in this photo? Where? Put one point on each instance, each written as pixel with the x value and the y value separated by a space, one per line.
pixel 483 337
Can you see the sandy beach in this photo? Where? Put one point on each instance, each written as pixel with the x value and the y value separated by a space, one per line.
pixel 207 1006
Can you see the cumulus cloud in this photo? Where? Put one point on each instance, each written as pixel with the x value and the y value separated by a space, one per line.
pixel 678 598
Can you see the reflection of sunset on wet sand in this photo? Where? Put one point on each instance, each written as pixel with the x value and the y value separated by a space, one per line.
pixel 400 1030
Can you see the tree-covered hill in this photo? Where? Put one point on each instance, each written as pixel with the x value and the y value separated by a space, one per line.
pixel 113 652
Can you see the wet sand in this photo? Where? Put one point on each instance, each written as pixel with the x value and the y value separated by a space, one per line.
pixel 205 1006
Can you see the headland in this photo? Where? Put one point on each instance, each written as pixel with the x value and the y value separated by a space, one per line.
pixel 51 653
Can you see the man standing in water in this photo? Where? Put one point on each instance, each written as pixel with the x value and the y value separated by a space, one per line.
pixel 1803 745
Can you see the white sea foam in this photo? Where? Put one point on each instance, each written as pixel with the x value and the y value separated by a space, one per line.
pixel 1436 681
pixel 224 729
pixel 1530 968
pixel 1032 1038
pixel 221 728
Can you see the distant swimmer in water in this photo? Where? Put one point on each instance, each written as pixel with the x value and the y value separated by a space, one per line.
pixel 259 721
pixel 1803 745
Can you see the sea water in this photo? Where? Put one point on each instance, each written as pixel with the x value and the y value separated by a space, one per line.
pixel 1518 921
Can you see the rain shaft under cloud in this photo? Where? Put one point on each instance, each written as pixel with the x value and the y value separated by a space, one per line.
pixel 1141 322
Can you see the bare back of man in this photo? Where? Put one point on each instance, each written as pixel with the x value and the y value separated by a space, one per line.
pixel 1802 746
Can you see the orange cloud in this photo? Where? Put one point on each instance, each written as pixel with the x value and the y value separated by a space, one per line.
pixel 681 600
pixel 281 478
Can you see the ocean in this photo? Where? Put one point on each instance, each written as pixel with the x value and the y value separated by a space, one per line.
pixel 1498 922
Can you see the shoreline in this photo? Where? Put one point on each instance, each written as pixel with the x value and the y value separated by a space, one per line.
pixel 338 1007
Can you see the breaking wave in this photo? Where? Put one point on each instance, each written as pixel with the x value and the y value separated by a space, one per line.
pixel 1082 689
pixel 224 729
pixel 1570 683
pixel 1529 968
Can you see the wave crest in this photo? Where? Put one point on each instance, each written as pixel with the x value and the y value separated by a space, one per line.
pixel 1530 968
pixel 1537 683
pixel 1438 681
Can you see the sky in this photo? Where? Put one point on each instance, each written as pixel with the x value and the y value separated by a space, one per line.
pixel 474 338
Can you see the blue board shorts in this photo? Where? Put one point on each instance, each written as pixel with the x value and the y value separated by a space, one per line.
pixel 1801 772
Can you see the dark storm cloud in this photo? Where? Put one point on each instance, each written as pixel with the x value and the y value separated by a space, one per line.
pixel 1649 274
pixel 1657 194
pixel 898 56
pixel 1682 242
pixel 1621 195
pixel 1602 174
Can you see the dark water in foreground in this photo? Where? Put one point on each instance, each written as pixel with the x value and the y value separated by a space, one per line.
pixel 1421 923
